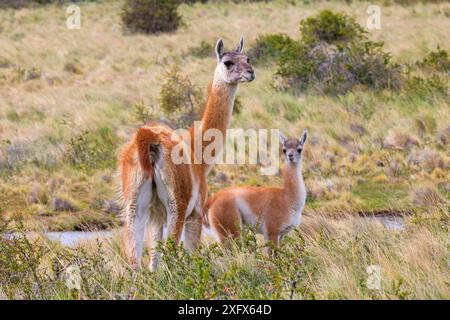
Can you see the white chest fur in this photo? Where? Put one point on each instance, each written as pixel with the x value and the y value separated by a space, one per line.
pixel 298 205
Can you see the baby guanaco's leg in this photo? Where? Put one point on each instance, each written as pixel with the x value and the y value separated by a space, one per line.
pixel 272 236
pixel 225 219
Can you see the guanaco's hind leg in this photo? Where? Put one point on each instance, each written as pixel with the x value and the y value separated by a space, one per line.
pixel 155 232
pixel 176 217
pixel 193 230
pixel 226 222
pixel 136 217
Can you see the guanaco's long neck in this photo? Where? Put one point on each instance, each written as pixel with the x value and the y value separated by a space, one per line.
pixel 293 184
pixel 219 106
pixel 217 112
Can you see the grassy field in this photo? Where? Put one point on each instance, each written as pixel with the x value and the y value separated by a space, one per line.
pixel 68 104
pixel 325 259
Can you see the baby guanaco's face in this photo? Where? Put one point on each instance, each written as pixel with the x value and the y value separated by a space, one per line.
pixel 292 147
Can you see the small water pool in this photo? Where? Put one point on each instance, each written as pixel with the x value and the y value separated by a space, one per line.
pixel 73 238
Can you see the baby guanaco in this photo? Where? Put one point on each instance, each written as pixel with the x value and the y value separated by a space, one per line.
pixel 272 211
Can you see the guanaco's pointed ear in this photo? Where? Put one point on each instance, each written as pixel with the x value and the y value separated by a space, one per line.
pixel 303 137
pixel 240 45
pixel 219 49
pixel 282 138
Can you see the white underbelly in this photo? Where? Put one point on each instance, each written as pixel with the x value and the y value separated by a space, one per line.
pixel 248 217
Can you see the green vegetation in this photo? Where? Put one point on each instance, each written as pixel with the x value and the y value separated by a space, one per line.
pixel 92 150
pixel 151 16
pixel 325 259
pixel 268 48
pixel 331 28
pixel 333 56
pixel 179 99
pixel 376 105
pixel 438 60
pixel 204 50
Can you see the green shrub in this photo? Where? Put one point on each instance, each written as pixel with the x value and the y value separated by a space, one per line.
pixel 437 60
pixel 151 16
pixel 426 88
pixel 141 112
pixel 92 150
pixel 335 71
pixel 179 99
pixel 334 58
pixel 330 27
pixel 204 50
pixel 73 67
pixel 269 47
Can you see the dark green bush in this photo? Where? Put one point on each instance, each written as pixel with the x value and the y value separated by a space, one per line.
pixel 269 47
pixel 333 56
pixel 151 16
pixel 437 60
pixel 330 27
pixel 180 100
pixel 204 50
pixel 426 88
pixel 92 150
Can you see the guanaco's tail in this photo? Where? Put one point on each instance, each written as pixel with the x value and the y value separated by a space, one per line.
pixel 147 143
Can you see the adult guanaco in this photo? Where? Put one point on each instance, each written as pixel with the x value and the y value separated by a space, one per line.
pixel 273 211
pixel 158 192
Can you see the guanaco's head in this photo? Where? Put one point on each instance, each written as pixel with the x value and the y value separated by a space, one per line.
pixel 292 148
pixel 233 66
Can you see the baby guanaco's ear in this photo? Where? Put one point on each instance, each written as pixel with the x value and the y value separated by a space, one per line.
pixel 219 49
pixel 282 139
pixel 303 137
pixel 240 45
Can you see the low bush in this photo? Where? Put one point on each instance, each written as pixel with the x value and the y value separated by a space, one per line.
pixel 92 150
pixel 269 47
pixel 151 16
pixel 336 70
pixel 180 100
pixel 437 60
pixel 204 50
pixel 330 27
pixel 333 56
pixel 426 88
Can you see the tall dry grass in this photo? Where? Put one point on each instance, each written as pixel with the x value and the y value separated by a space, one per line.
pixel 324 259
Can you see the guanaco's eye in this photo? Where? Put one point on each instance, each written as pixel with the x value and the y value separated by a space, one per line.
pixel 284 150
pixel 248 60
pixel 228 63
pixel 299 150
